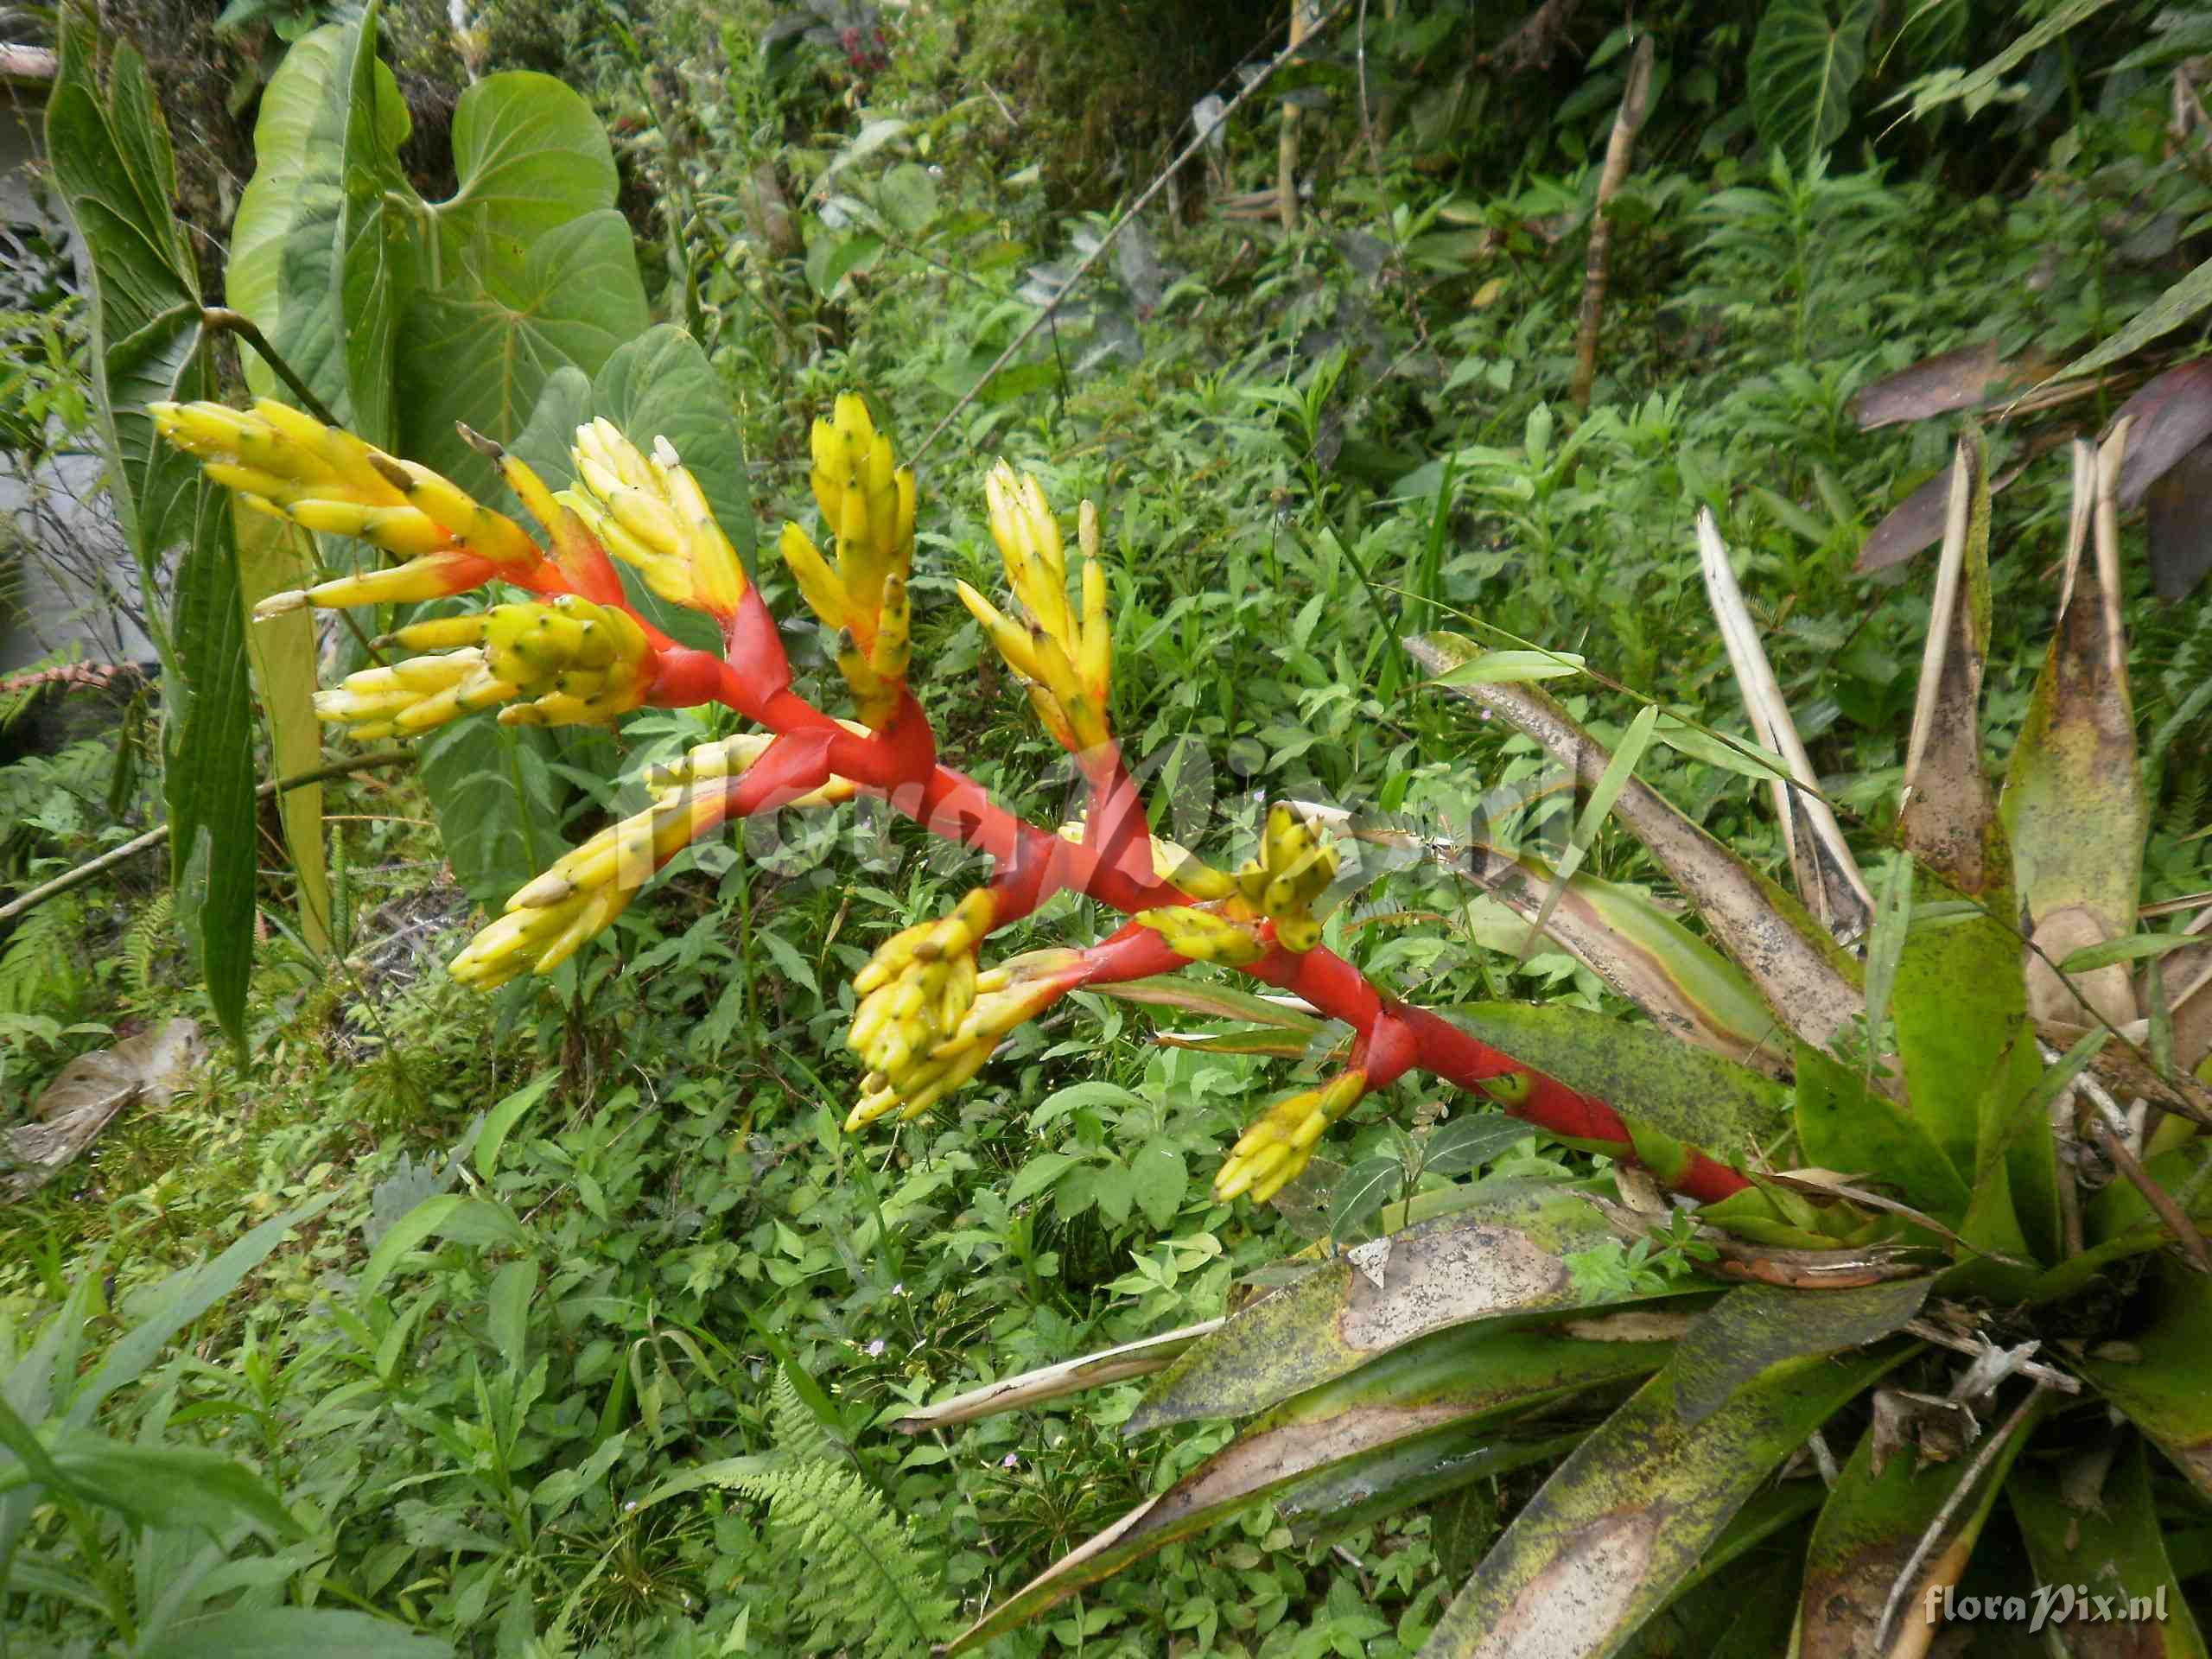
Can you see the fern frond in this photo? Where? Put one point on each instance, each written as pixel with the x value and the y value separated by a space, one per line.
pixel 40 972
pixel 859 1577
pixel 147 938
pixel 798 1431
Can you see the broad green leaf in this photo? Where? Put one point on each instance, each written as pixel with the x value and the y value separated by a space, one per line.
pixel 2176 306
pixel 1890 926
pixel 1469 1141
pixel 480 347
pixel 2157 1376
pixel 497 801
pixel 2121 1213
pixel 1869 1528
pixel 1625 1520
pixel 1961 1005
pixel 1358 1491
pixel 320 255
pixel 908 197
pixel 1509 667
pixel 157 1484
pixel 208 767
pixel 1380 1481
pixel 659 384
pixel 1648 1076
pixel 2108 1543
pixel 1677 733
pixel 1501 1255
pixel 450 1214
pixel 507 1307
pixel 530 157
pixel 1811 981
pixel 1758 1326
pixel 182 1297
pixel 1843 1125
pixel 272 556
pixel 1160 1180
pixel 2136 947
pixel 500 1121
pixel 288 1632
pixel 111 162
pixel 1365 1188
pixel 1806 61
pixel 1314 1452
pixel 1645 954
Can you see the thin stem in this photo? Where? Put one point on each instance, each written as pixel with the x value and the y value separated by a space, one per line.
pixel 160 832
pixel 222 318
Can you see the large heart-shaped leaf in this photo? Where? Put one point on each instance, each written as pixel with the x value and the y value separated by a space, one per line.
pixel 1805 62
pixel 480 350
pixel 660 384
pixel 529 156
pixel 498 802
pixel 322 251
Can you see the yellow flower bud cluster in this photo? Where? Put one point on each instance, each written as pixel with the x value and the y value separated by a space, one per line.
pixel 1065 663
pixel 573 662
pixel 1005 996
pixel 1274 1151
pixel 1293 868
pixel 649 511
pixel 290 465
pixel 868 505
pixel 1204 935
pixel 548 920
pixel 915 992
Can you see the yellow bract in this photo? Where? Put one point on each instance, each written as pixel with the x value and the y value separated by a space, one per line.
pixel 915 992
pixel 1066 663
pixel 292 466
pixel 1204 935
pixel 548 920
pixel 1014 991
pixel 649 511
pixel 868 506
pixel 1274 1151
pixel 1293 868
pixel 572 663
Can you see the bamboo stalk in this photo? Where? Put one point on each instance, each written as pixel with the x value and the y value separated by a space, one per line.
pixel 1618 151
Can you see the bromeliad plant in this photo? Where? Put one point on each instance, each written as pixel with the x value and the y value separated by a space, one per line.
pixel 1898 1158
pixel 930 1012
